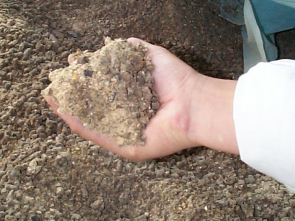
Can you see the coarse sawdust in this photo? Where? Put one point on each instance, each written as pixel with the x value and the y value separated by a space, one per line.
pixel 110 91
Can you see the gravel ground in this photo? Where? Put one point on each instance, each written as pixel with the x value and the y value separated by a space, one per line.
pixel 49 173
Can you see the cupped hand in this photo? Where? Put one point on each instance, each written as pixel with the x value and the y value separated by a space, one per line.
pixel 167 131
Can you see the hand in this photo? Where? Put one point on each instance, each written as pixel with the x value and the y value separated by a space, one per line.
pixel 167 132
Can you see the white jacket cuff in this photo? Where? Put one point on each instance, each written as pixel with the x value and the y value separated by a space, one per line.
pixel 264 118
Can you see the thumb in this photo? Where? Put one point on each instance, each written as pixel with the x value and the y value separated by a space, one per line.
pixel 71 58
pixel 136 42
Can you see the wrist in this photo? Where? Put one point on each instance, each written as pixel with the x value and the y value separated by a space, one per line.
pixel 211 114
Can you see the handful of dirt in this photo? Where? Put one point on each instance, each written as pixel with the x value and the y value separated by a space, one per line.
pixel 110 91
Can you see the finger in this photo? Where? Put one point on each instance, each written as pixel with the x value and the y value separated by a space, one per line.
pixel 136 42
pixel 77 127
pixel 108 144
pixel 71 58
pixel 53 105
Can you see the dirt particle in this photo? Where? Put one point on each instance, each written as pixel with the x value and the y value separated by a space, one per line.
pixel 33 167
pixel 27 53
pixel 82 60
pixel 98 205
pixel 88 73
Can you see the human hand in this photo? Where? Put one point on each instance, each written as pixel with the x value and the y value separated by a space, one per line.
pixel 166 133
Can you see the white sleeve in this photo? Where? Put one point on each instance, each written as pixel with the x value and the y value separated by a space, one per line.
pixel 264 118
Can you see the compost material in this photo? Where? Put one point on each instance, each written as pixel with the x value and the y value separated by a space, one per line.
pixel 49 173
pixel 110 91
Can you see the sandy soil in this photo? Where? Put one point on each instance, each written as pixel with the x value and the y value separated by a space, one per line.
pixel 49 173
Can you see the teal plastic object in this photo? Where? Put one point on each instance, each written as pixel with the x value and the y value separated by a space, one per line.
pixel 261 20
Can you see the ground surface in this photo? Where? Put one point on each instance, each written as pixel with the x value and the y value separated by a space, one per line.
pixel 49 173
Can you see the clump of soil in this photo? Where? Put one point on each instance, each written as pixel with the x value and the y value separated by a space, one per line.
pixel 110 91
